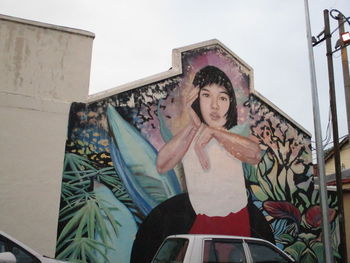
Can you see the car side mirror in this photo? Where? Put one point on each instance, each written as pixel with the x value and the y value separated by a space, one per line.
pixel 7 257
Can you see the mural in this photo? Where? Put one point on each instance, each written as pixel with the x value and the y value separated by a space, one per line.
pixel 195 153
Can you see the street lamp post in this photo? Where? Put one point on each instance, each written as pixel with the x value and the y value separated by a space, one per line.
pixel 318 138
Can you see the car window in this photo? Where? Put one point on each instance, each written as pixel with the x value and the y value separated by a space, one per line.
pixel 172 251
pixel 22 256
pixel 263 253
pixel 219 251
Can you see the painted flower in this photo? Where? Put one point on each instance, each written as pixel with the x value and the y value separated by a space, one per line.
pixel 286 210
pixel 313 216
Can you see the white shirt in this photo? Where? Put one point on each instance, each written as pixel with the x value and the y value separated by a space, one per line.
pixel 219 190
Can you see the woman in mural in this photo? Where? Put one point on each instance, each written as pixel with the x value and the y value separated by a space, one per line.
pixel 212 156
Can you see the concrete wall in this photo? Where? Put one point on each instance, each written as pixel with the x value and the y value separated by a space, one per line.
pixel 43 69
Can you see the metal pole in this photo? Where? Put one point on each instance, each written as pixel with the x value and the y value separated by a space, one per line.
pixel 318 138
pixel 333 105
pixel 346 77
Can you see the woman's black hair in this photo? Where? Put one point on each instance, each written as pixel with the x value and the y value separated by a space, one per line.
pixel 213 75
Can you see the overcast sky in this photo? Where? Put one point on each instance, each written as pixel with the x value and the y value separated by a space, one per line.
pixel 135 38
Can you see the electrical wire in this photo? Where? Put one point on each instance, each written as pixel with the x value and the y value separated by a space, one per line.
pixel 314 157
pixel 333 141
pixel 337 17
pixel 328 130
pixel 328 133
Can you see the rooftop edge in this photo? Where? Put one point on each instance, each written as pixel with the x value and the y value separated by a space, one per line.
pixel 47 26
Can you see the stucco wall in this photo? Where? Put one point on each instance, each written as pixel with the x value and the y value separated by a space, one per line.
pixel 43 68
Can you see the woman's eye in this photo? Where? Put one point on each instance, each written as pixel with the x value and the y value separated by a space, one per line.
pixel 223 99
pixel 205 95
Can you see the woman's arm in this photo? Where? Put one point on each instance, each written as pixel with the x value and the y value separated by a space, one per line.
pixel 174 150
pixel 240 147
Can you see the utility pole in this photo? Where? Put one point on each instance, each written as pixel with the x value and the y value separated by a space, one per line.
pixel 335 136
pixel 346 77
pixel 318 139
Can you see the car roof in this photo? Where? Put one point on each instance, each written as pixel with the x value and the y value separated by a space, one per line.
pixel 207 236
pixel 202 236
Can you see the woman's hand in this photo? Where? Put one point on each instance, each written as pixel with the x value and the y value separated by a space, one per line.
pixel 189 95
pixel 203 139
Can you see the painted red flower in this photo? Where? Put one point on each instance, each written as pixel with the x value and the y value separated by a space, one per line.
pixel 279 209
pixel 313 216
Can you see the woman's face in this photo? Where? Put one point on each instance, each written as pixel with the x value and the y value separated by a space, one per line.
pixel 214 103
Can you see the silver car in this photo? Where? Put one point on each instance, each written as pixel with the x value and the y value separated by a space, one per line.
pixel 14 251
pixel 218 249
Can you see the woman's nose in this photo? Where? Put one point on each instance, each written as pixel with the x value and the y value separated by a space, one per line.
pixel 214 104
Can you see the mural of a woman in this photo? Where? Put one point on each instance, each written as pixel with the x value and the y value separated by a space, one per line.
pixel 212 156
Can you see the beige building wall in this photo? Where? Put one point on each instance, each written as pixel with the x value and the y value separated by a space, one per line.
pixel 344 158
pixel 330 169
pixel 346 196
pixel 43 69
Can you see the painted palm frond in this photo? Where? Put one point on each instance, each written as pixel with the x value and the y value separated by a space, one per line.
pixel 81 228
pixel 84 250
pixel 116 217
pixel 95 229
pixel 76 179
pixel 87 215
pixel 77 163
pixel 135 161
pixel 109 178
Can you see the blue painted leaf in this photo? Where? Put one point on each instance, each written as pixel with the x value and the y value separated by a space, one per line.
pixel 141 199
pixel 139 156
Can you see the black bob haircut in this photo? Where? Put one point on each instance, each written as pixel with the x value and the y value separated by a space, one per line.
pixel 213 75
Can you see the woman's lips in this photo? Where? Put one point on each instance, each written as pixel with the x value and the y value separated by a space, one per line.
pixel 214 116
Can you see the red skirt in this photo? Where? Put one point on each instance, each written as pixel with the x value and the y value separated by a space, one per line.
pixel 236 224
